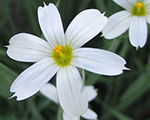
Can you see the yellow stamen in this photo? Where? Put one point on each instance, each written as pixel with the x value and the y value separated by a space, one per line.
pixel 58 50
pixel 62 55
pixel 139 5
pixel 139 9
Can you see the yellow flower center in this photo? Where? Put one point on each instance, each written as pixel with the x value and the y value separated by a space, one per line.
pixel 139 5
pixel 139 9
pixel 62 55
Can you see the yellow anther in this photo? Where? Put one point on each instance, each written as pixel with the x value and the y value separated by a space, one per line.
pixel 62 55
pixel 139 5
pixel 57 52
pixel 58 49
pixel 139 9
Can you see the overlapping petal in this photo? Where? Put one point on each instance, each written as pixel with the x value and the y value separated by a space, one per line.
pixel 98 61
pixel 34 78
pixel 90 115
pixel 51 24
pixel 28 48
pixel 91 92
pixel 138 31
pixel 71 92
pixel 84 27
pixel 50 92
pixel 117 24
pixel 127 4
pixel 67 117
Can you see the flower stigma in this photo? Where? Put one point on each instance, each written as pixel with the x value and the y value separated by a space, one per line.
pixel 139 9
pixel 62 55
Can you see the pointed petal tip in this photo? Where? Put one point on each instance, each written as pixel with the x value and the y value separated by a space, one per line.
pixel 14 95
pixel 103 13
pixel 7 46
pixel 125 68
pixel 44 4
pixel 17 97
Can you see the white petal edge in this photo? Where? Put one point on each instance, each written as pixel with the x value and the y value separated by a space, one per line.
pixel 51 24
pixel 71 93
pixel 138 32
pixel 146 2
pixel 49 90
pixel 25 47
pixel 98 61
pixel 67 117
pixel 127 4
pixel 117 24
pixel 90 115
pixel 147 8
pixel 86 25
pixel 33 78
pixel 91 92
pixel 148 18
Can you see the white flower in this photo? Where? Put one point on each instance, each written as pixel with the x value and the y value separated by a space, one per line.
pixel 61 54
pixel 50 92
pixel 135 16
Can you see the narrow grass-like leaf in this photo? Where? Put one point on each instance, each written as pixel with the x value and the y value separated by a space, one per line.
pixel 117 114
pixel 100 5
pixel 134 91
pixel 6 77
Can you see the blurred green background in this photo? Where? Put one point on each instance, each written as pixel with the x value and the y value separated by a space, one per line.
pixel 123 97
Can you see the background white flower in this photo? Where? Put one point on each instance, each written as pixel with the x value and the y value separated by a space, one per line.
pixel 61 54
pixel 135 17
pixel 50 92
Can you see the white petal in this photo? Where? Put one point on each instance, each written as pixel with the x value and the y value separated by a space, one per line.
pixel 146 2
pixel 117 24
pixel 71 93
pixel 49 90
pixel 67 117
pixel 148 18
pixel 98 61
pixel 33 79
pixel 91 115
pixel 127 4
pixel 51 24
pixel 84 27
pixel 138 31
pixel 147 8
pixel 91 92
pixel 28 48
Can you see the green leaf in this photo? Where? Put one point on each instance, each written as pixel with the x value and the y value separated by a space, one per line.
pixel 100 5
pixel 6 78
pixel 117 114
pixel 59 114
pixel 134 91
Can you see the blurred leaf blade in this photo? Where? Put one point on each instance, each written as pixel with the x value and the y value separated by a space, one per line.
pixel 6 78
pixel 117 114
pixel 135 91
